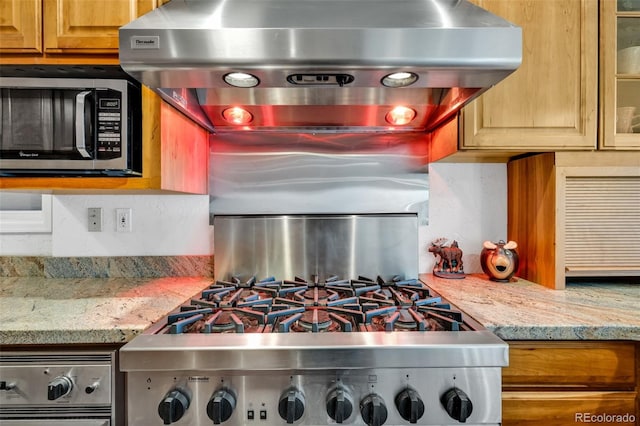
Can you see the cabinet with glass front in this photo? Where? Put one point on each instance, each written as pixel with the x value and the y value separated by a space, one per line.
pixel 620 74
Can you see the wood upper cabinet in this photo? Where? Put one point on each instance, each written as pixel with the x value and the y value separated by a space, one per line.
pixel 88 26
pixel 21 26
pixel 69 27
pixel 550 102
pixel 619 75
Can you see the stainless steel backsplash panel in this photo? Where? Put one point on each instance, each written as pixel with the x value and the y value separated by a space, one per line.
pixel 267 173
pixel 286 246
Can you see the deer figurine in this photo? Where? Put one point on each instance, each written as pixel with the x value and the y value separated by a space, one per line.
pixel 450 256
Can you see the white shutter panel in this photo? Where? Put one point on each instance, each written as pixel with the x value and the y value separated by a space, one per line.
pixel 602 226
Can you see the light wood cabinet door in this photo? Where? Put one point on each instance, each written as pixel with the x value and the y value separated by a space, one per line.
pixel 577 365
pixel 619 75
pixel 550 102
pixel 20 26
pixel 89 26
pixel 559 383
pixel 568 408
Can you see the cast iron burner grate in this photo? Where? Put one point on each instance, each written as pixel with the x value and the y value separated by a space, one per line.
pixel 315 306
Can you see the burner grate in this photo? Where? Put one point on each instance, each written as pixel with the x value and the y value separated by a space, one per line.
pixel 315 306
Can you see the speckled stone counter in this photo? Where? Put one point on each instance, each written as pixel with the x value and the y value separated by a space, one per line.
pixel 35 310
pixel 88 310
pixel 106 267
pixel 522 310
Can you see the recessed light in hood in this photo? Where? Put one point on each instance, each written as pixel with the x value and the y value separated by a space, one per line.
pixel 237 116
pixel 320 65
pixel 241 79
pixel 400 115
pixel 399 79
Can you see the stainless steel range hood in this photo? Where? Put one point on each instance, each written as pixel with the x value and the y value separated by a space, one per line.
pixel 320 65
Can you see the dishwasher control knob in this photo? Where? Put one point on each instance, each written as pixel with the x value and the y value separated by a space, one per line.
pixel 373 410
pixel 339 405
pixel 410 405
pixel 291 405
pixel 173 406
pixel 59 387
pixel 221 406
pixel 457 404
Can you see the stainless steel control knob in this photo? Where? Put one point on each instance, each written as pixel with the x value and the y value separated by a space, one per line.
pixel 373 410
pixel 291 405
pixel 410 405
pixel 59 387
pixel 457 404
pixel 7 386
pixel 221 406
pixel 92 388
pixel 339 405
pixel 173 406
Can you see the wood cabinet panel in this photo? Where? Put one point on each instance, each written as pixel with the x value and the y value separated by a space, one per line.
pixel 20 26
pixel 550 102
pixel 88 26
pixel 540 204
pixel 531 201
pixel 617 89
pixel 567 408
pixel 570 382
pixel 185 153
pixel 592 365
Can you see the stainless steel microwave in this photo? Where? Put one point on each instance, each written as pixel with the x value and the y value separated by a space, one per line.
pixel 69 121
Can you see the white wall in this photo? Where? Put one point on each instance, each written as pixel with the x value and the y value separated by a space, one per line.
pixel 161 225
pixel 467 202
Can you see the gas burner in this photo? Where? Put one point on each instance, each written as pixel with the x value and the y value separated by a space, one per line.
pixel 231 322
pixel 316 295
pixel 406 321
pixel 315 321
pixel 192 319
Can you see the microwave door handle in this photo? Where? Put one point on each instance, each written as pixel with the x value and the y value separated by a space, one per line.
pixel 81 143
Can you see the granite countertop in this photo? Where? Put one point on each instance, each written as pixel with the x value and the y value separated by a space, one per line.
pixel 36 310
pixel 522 310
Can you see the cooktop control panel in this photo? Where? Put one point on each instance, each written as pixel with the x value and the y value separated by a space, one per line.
pixel 356 397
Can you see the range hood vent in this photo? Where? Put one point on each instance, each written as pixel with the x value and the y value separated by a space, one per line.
pixel 320 65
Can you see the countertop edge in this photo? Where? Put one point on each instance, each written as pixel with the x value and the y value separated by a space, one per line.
pixel 522 310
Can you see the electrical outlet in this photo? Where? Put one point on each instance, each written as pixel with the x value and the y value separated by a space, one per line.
pixel 95 219
pixel 123 220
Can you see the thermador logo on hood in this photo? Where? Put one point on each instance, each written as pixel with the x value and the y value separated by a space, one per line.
pixel 145 42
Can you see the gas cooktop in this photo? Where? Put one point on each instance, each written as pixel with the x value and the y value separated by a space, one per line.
pixel 315 351
pixel 267 305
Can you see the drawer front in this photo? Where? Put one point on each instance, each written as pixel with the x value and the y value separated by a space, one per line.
pixel 569 408
pixel 581 365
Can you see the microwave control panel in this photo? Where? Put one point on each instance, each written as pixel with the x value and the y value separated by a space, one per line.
pixel 109 132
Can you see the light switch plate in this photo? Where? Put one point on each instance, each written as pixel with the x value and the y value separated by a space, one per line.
pixel 95 219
